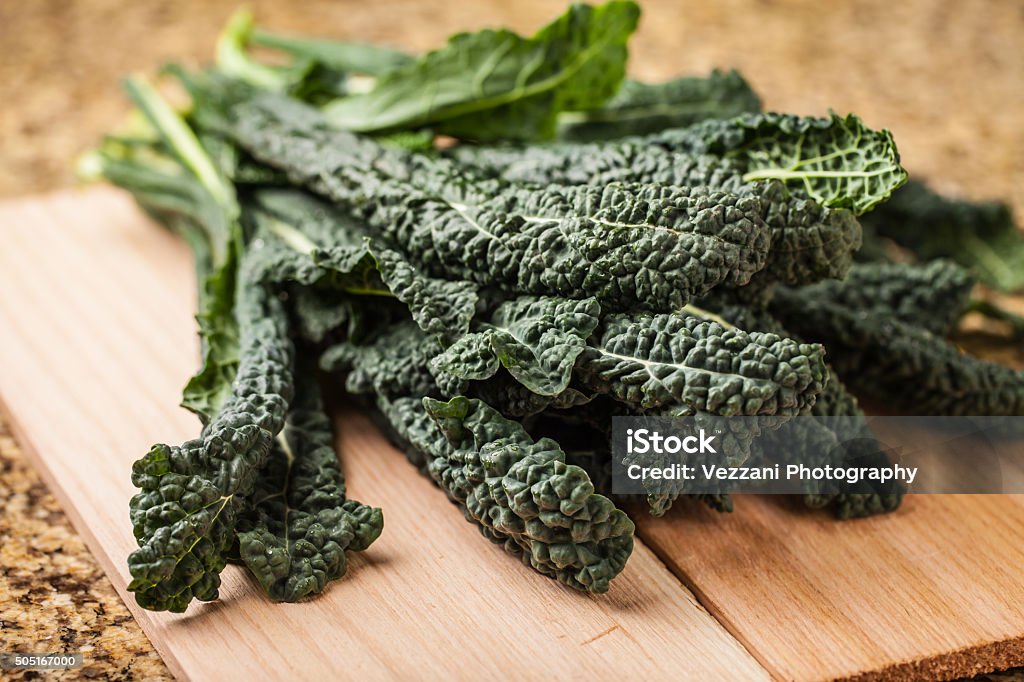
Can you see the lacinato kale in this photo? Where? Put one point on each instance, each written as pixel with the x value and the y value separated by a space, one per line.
pixel 184 519
pixel 932 297
pixel 631 245
pixel 831 168
pixel 524 495
pixel 693 366
pixel 899 363
pixel 298 525
pixel 676 252
pixel 981 236
pixel 537 340
pixel 640 108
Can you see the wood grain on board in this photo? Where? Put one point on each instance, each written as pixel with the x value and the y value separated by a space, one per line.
pixel 96 340
pixel 933 591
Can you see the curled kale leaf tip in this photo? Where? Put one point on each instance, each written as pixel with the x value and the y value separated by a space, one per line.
pixel 524 495
pixel 536 339
pixel 295 535
pixel 185 515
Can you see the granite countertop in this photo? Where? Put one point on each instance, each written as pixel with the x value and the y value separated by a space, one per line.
pixel 53 595
pixel 945 76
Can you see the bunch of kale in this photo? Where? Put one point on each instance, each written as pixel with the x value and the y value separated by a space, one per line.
pixel 497 303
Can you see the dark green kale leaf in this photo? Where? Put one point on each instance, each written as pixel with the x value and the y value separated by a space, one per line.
pixel 495 84
pixel 641 108
pixel 837 161
pixel 899 364
pixel 629 246
pixel 184 517
pixel 850 428
pixel 686 365
pixel 830 167
pixel 809 242
pixel 932 296
pixel 316 243
pixel 692 366
pixel 536 339
pixel 521 493
pixel 981 236
pixel 294 534
pixel 395 364
pixel 838 418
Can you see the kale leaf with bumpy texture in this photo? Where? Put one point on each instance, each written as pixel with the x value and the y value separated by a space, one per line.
pixel 900 364
pixel 838 418
pixel 932 296
pixel 524 495
pixel 294 535
pixel 184 518
pixel 697 366
pixel 981 236
pixel 809 241
pixel 317 243
pixel 536 339
pixel 837 161
pixel 630 245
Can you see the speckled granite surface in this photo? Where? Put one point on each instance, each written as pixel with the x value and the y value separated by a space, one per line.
pixel 946 76
pixel 53 596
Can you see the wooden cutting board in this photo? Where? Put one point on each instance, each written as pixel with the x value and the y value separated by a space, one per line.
pixel 97 338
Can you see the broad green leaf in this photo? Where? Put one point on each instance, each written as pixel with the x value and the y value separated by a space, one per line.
pixel 495 84
pixel 343 56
